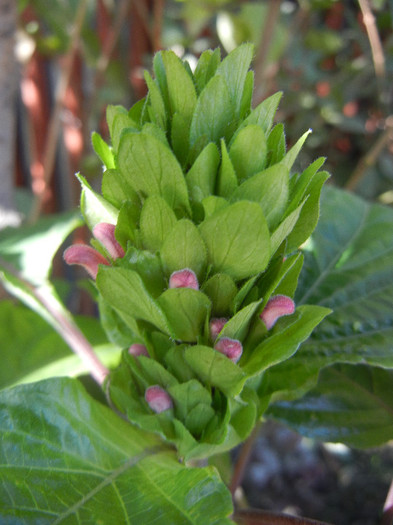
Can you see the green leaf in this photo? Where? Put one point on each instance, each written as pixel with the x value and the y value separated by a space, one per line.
pixel 270 189
pixel 206 67
pixel 125 291
pixel 287 335
pixel 309 213
pixel 33 350
pixel 215 369
pixel 156 221
pixel 78 458
pixel 94 207
pixel 183 247
pixel 284 228
pixel 348 268
pixel 158 112
pixel 126 227
pixel 222 290
pixel 30 249
pixel 201 177
pixel 276 145
pixel 248 152
pixel 245 105
pixel 213 112
pixel 234 247
pixel 292 154
pixel 180 134
pixel 116 189
pixel 227 180
pixel 234 69
pixel 237 326
pixel 148 266
pixel 152 169
pixel 263 114
pixel 301 184
pixel 103 150
pixel 119 121
pixel 350 404
pixel 186 311
pixel 181 91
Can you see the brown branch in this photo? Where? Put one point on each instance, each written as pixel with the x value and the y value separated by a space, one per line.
pixel 373 36
pixel 371 157
pixel 242 461
pixel 158 14
pixel 63 325
pixel 264 46
pixel 55 120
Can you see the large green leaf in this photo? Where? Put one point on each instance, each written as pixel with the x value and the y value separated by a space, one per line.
pixel 66 458
pixel 31 348
pixel 30 249
pixel 351 404
pixel 348 268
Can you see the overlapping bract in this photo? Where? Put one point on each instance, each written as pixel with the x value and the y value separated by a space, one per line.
pixel 200 189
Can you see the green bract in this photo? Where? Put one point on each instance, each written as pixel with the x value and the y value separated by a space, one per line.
pixel 196 180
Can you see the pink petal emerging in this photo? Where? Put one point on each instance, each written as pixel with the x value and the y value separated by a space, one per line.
pixel 158 399
pixel 276 307
pixel 137 349
pixel 216 325
pixel 232 348
pixel 184 279
pixel 85 256
pixel 105 234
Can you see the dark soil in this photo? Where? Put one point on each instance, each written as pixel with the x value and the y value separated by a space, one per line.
pixel 332 483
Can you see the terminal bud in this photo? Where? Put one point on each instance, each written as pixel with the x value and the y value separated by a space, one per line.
pixel 216 325
pixel 105 234
pixel 158 399
pixel 276 307
pixel 232 348
pixel 185 278
pixel 138 349
pixel 85 256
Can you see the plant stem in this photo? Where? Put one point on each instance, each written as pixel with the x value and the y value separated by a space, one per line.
pixel 63 324
pixel 387 515
pixel 370 158
pixel 242 461
pixel 55 120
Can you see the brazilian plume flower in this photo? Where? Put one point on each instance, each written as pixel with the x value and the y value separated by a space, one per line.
pixel 185 278
pixel 232 348
pixel 158 399
pixel 105 234
pixel 216 325
pixel 85 256
pixel 276 307
pixel 138 349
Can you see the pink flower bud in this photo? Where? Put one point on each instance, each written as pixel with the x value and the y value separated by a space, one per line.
pixel 216 325
pixel 276 307
pixel 232 348
pixel 105 234
pixel 184 279
pixel 137 349
pixel 158 399
pixel 85 256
